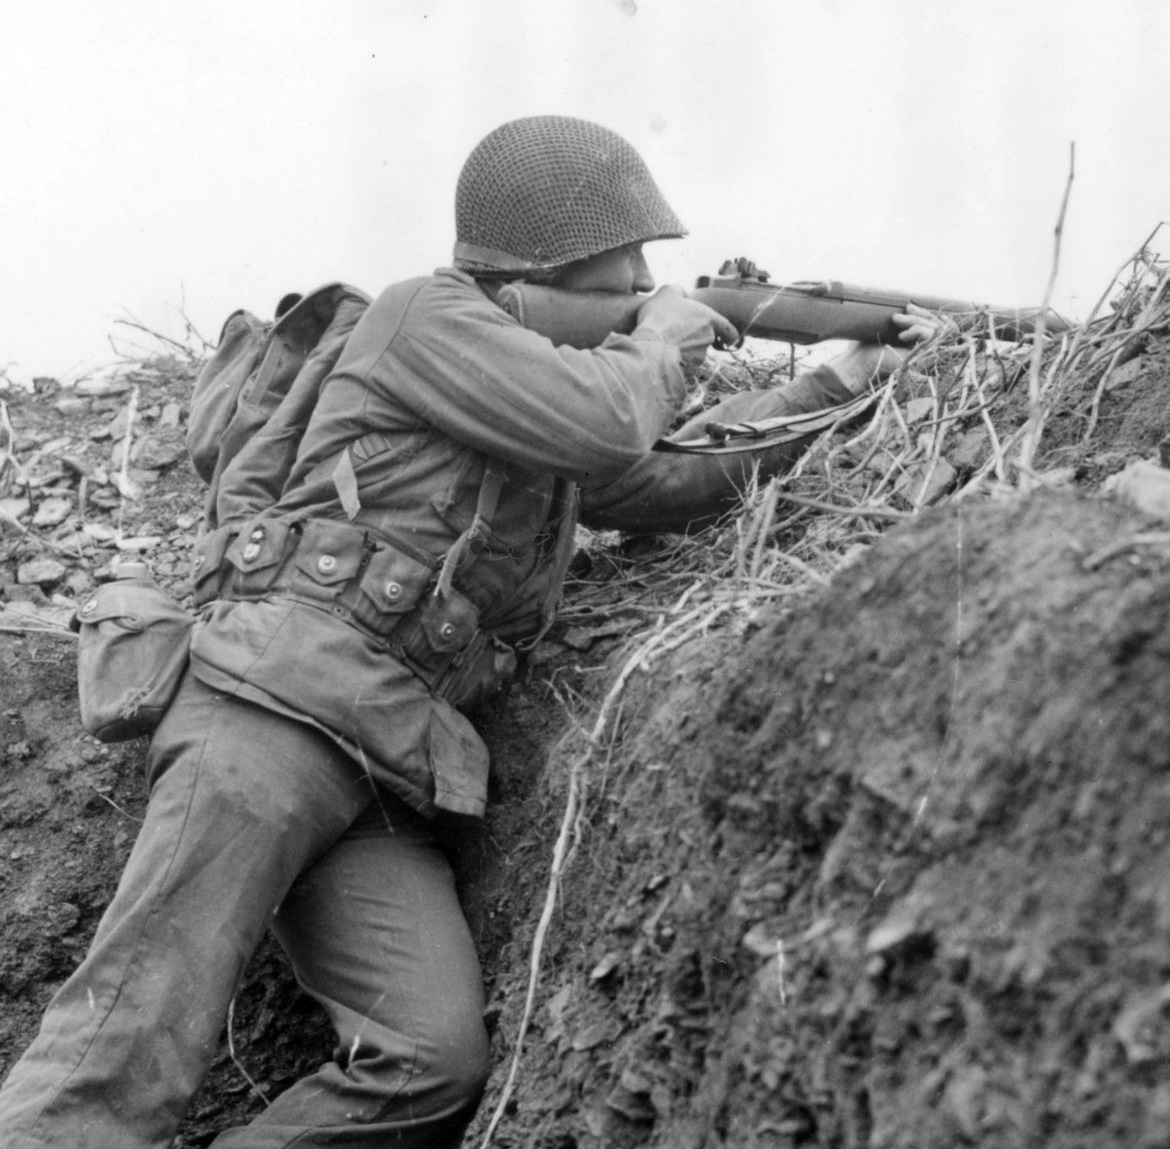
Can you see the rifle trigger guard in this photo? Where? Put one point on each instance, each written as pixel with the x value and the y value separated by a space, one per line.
pixel 721 344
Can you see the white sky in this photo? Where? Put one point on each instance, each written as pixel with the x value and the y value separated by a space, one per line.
pixel 190 157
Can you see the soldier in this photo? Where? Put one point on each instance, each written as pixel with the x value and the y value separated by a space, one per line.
pixel 301 777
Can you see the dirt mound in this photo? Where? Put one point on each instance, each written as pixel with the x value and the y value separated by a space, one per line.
pixel 898 882
pixel 870 860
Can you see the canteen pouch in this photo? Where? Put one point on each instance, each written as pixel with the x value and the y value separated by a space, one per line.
pixel 441 642
pixel 133 643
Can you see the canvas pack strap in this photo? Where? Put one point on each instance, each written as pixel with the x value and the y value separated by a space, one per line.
pixel 481 523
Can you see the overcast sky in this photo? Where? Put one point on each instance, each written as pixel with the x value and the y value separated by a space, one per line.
pixel 185 158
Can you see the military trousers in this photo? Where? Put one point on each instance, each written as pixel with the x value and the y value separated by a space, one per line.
pixel 256 821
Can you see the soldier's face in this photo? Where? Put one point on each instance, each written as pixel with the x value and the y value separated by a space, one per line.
pixel 622 271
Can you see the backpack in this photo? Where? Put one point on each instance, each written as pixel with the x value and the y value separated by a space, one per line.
pixel 253 398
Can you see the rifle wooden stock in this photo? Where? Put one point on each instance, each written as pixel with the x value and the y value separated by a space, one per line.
pixel 793 313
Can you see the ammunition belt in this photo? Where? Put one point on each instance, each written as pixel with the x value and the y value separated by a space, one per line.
pixel 388 592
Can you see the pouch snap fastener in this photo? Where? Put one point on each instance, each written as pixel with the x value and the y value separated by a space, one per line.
pixel 393 591
pixel 447 630
pixel 89 607
pixel 251 551
pixel 327 564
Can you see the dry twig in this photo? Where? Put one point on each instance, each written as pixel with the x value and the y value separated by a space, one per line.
pixel 1036 414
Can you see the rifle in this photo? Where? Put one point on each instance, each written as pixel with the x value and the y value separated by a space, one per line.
pixel 804 312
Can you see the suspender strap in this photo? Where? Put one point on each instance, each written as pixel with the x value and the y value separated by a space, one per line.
pixel 481 524
pixel 345 482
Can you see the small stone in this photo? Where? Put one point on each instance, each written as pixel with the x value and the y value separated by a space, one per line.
pixel 73 464
pixel 901 926
pixel 1145 486
pixel 599 1033
pixel 52 512
pixel 102 386
pixel 126 486
pixel 161 450
pixel 72 406
pixel 632 1103
pixel 1125 374
pixel 40 572
pixel 1143 1027
pixel 99 532
pixel 14 508
pixel 139 543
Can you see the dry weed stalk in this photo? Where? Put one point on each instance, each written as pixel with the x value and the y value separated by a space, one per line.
pixel 231 1043
pixel 9 468
pixel 191 349
pixel 568 836
pixel 1036 411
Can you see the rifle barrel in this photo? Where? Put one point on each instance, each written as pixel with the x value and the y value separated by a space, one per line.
pixel 813 312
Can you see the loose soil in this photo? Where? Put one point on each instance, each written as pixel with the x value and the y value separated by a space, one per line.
pixel 883 865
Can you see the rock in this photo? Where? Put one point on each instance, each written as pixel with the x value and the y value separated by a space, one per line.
pixel 604 1032
pixel 100 532
pixel 969 451
pixel 760 941
pixel 160 450
pixel 31 616
pixel 41 572
pixel 1143 1027
pixel 900 929
pixel 52 512
pixel 605 967
pixel 1145 486
pixel 631 1098
pixel 1058 477
pixel 103 385
pixel 923 484
pixel 126 486
pixel 14 508
pixel 1125 374
pixel 72 406
pixel 139 543
pixel 76 466
pixel 919 409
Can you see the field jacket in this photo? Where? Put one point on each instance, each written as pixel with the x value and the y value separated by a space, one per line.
pixel 424 532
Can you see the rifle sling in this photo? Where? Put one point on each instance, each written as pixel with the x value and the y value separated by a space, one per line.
pixel 740 438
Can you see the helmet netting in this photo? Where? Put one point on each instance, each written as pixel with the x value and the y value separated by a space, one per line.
pixel 549 190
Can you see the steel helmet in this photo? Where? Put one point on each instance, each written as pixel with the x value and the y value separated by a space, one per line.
pixel 544 191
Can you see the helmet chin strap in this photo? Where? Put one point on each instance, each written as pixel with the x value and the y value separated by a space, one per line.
pixel 496 259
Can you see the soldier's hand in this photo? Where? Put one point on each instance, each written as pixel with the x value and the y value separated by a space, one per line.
pixel 861 366
pixel 692 326
pixel 918 324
